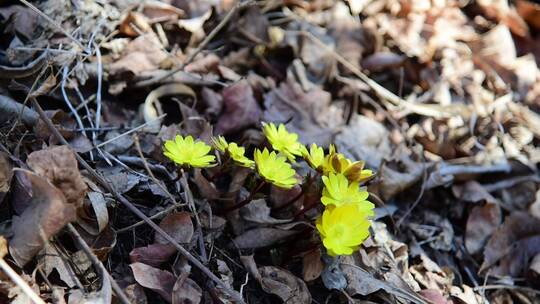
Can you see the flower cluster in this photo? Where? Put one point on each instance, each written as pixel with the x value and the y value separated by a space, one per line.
pixel 345 222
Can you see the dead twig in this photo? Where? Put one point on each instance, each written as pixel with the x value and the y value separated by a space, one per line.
pixel 14 276
pixel 107 186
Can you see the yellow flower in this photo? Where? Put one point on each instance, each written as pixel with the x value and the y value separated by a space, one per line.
pixel 188 152
pixel 274 169
pixel 338 163
pixel 234 151
pixel 337 191
pixel 282 141
pixel 314 157
pixel 220 143
pixel 343 228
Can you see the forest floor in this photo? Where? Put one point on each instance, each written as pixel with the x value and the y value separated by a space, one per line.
pixel 440 99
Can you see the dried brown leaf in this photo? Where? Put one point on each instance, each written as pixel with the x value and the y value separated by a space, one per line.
pixel 153 254
pixel 159 281
pixel 135 294
pixel 178 225
pixel 261 237
pixel 47 214
pixel 241 109
pixel 308 112
pixel 142 54
pixel 51 260
pixel 258 212
pixel 6 174
pixel 284 284
pixel 482 222
pixel 372 146
pixel 22 20
pixel 530 12
pixel 312 266
pixel 509 249
pixel 59 166
pixel 186 291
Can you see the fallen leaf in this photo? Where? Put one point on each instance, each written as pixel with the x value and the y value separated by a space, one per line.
pixel 5 175
pixel 258 212
pixel 308 112
pixel 52 260
pixel 399 175
pixel 142 54
pixel 434 296
pixel 186 291
pixel 23 20
pixel 93 216
pixel 153 254
pixel 46 215
pixel 312 265
pixel 512 245
pixel 59 166
pixel 206 188
pixel 362 282
pixel 135 294
pixel 534 208
pixel 371 147
pixel 195 26
pixel 178 225
pixel 213 103
pixel 481 223
pixel 530 12
pixel 133 24
pixel 121 179
pixel 472 191
pixel 159 281
pixel 284 284
pixel 241 109
pixel 118 145
pixel 261 237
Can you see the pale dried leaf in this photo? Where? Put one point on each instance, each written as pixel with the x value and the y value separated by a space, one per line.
pixel 284 284
pixel 482 222
pixel 186 292
pixel 178 225
pixel 159 281
pixel 261 237
pixel 46 215
pixel 60 167
pixel 258 212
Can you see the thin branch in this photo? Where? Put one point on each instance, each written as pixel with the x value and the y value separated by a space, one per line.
pixel 107 186
pixel 14 276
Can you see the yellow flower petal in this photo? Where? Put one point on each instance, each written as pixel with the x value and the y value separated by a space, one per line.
pixel 343 229
pixel 274 169
pixel 185 151
pixel 282 141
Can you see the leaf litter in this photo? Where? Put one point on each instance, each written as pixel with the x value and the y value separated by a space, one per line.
pixel 439 98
